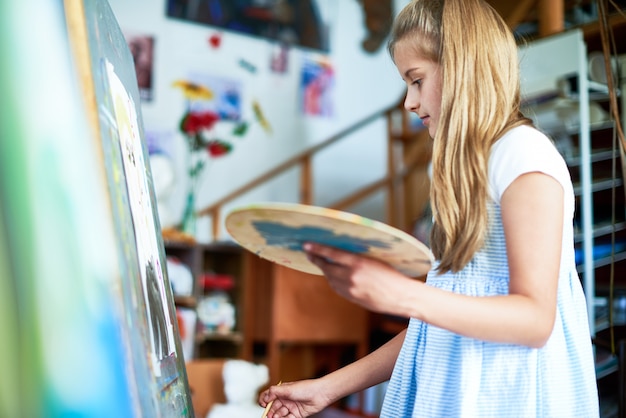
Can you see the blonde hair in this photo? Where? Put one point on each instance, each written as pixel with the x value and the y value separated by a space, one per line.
pixel 477 55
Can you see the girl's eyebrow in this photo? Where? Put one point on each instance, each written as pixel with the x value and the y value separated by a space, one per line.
pixel 408 72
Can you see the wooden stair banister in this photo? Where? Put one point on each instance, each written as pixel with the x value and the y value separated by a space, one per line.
pixel 392 180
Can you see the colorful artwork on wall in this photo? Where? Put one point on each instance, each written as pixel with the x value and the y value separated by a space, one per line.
pixel 293 22
pixel 279 59
pixel 142 48
pixel 317 81
pixel 225 98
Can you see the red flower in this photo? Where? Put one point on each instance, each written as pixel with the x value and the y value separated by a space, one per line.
pixel 215 40
pixel 194 122
pixel 218 148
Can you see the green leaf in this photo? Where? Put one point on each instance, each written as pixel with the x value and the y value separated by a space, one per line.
pixel 241 129
pixel 181 125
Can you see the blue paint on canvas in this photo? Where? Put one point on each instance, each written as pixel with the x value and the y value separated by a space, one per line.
pixel 293 238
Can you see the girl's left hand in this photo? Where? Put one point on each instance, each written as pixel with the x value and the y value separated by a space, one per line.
pixel 370 283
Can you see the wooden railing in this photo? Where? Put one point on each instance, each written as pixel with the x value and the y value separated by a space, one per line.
pixel 393 180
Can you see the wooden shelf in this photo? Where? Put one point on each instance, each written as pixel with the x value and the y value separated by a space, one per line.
pixel 591 33
pixel 222 247
pixel 222 258
pixel 186 301
pixel 206 335
pixel 183 245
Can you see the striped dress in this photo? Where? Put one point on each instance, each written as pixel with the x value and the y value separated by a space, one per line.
pixel 442 374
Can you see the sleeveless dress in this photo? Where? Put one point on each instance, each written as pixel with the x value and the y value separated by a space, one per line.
pixel 442 374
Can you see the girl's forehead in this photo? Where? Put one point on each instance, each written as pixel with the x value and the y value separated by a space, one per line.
pixel 414 46
pixel 409 55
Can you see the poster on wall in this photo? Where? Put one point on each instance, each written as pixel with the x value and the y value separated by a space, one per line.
pixel 317 81
pixel 225 92
pixel 292 22
pixel 142 49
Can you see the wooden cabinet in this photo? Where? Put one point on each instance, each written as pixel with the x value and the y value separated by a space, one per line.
pixel 223 261
pixel 296 324
pixel 291 321
pixel 208 263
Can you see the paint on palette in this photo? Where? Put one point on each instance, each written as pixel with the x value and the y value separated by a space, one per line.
pixel 293 237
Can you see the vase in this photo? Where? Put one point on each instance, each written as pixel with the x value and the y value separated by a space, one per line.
pixel 189 215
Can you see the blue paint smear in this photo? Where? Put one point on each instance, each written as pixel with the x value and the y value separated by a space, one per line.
pixel 293 238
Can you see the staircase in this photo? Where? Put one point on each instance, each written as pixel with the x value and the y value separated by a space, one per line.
pixel 404 185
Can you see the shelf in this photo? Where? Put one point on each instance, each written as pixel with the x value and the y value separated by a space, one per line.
pixel 603 324
pixel 591 32
pixel 596 156
pixel 178 245
pixel 205 335
pixel 606 362
pixel 601 229
pixel 602 321
pixel 604 261
pixel 185 301
pixel 606 368
pixel 599 185
pixel 222 247
pixel 218 258
pixel 598 92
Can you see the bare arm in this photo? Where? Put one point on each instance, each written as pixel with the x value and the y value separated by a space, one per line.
pixel 368 371
pixel 532 215
pixel 304 398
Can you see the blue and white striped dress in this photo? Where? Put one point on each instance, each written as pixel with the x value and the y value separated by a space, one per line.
pixel 440 374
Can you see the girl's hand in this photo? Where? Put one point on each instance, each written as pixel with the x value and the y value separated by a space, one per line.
pixel 370 283
pixel 294 400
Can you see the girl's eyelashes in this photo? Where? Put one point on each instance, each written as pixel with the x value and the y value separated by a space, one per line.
pixel 417 81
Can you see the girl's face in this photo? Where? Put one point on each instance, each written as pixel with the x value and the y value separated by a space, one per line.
pixel 423 79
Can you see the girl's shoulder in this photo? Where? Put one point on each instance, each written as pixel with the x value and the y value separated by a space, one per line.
pixel 522 138
pixel 521 150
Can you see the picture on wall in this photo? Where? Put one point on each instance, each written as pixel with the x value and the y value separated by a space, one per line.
pixel 293 22
pixel 142 50
pixel 226 95
pixel 317 81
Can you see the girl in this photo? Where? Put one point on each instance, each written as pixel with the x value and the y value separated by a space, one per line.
pixel 499 328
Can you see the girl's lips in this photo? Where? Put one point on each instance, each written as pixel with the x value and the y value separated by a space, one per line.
pixel 425 120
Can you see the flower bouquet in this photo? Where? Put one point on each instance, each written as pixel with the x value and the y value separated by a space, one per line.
pixel 198 128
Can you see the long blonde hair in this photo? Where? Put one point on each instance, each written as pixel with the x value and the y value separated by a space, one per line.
pixel 480 101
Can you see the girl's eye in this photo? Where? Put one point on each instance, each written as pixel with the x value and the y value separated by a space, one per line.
pixel 417 82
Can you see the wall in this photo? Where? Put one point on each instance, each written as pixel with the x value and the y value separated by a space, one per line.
pixel 364 84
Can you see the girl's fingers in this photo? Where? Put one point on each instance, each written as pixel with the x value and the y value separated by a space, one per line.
pixel 328 254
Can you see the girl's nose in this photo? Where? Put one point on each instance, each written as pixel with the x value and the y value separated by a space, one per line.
pixel 410 102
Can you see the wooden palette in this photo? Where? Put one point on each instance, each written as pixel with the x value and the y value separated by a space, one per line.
pixel 277 231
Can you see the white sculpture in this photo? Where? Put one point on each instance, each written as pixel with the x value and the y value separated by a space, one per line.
pixel 242 381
